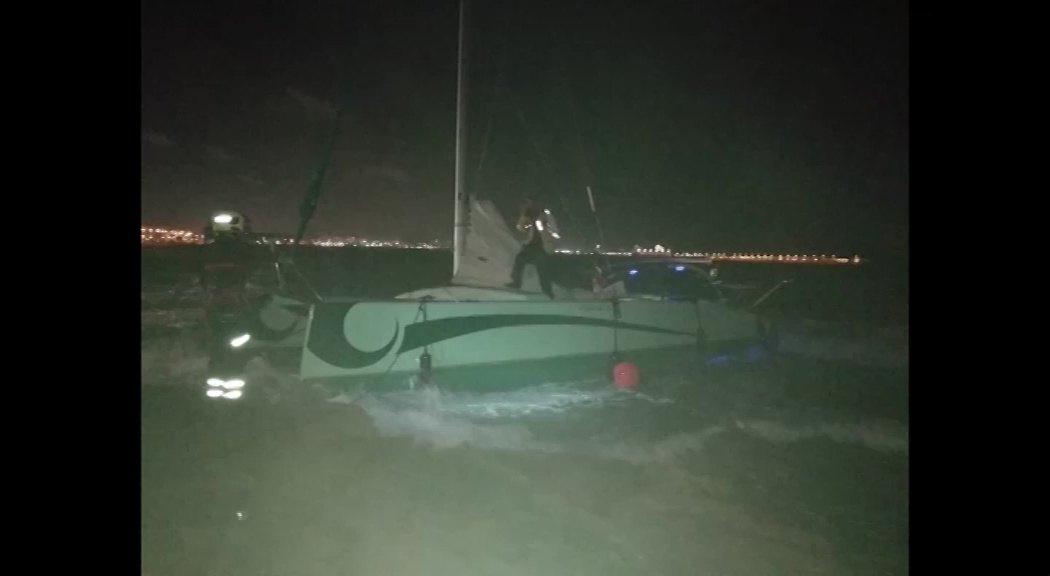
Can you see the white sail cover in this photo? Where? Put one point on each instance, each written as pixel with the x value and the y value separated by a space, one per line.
pixel 488 258
pixel 490 249
pixel 491 246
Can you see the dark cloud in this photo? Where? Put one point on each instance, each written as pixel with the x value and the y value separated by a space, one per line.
pixel 216 153
pixel 757 126
pixel 251 180
pixel 313 105
pixel 157 139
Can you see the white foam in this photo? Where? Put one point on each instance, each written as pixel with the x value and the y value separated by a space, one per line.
pixel 440 429
pixel 664 451
pixel 881 435
pixel 826 341
pixel 497 420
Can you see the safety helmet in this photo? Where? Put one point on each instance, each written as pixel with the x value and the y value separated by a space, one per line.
pixel 228 222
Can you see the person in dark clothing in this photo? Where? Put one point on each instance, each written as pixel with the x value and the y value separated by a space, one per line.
pixel 227 259
pixel 226 264
pixel 539 224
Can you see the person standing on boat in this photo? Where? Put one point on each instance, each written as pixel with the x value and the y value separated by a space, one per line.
pixel 542 230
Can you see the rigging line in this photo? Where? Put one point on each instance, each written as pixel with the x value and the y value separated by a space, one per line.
pixel 576 126
pixel 525 125
pixel 491 113
pixel 564 77
pixel 587 181
pixel 490 106
pixel 543 157
pixel 582 151
pixel 485 139
pixel 586 167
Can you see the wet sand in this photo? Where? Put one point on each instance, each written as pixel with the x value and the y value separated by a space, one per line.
pixel 320 489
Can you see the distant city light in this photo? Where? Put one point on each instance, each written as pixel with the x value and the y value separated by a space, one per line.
pixel 150 235
pixel 164 236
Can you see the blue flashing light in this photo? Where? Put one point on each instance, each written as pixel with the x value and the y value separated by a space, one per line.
pixel 679 268
pixel 632 272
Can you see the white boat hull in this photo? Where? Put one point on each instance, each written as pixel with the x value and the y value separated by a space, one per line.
pixel 498 337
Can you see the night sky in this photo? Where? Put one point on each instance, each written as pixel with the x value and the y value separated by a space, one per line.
pixel 722 125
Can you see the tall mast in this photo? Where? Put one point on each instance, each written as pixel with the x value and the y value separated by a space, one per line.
pixel 462 200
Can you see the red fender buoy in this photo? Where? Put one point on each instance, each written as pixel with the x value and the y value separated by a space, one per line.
pixel 624 375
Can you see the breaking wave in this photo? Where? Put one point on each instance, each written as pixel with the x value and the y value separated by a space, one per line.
pixel 881 435
pixel 515 421
pixel 865 346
